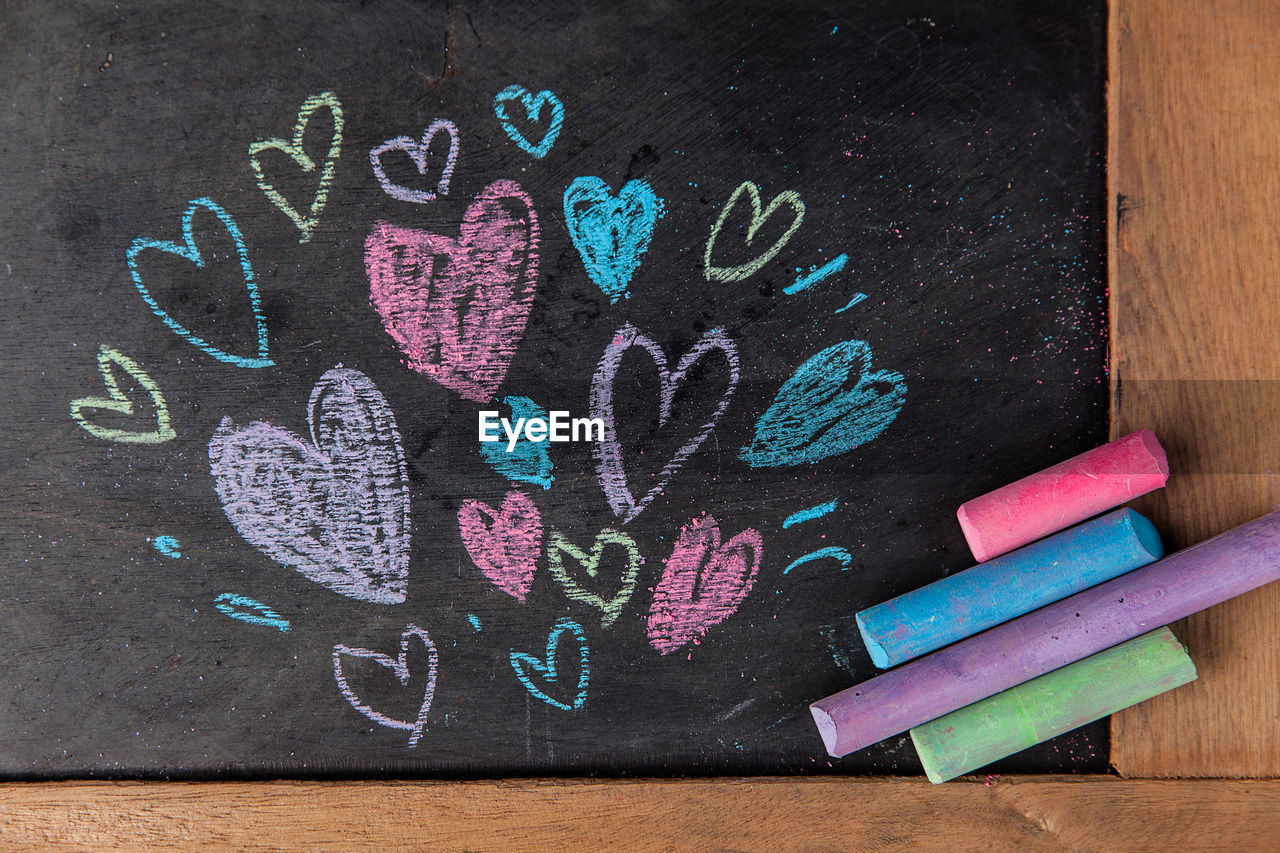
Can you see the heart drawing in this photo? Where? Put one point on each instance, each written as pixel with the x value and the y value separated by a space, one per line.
pixel 611 232
pixel 337 509
pixel 417 151
pixel 529 461
pixel 118 402
pixel 399 666
pixel 458 308
pixel 546 669
pixel 293 148
pixel 532 104
pixel 613 475
pixel 504 545
pixel 190 252
pixel 559 547
pixel 788 197
pixel 702 583
pixel 815 414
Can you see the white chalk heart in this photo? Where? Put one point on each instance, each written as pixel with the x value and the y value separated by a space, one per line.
pixel 400 667
pixel 417 151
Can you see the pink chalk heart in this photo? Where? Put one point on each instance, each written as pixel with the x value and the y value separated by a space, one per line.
pixel 399 667
pixel 702 584
pixel 458 308
pixel 417 151
pixel 335 509
pixel 613 475
pixel 504 547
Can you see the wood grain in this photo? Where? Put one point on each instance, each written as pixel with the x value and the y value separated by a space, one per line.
pixel 1195 195
pixel 1045 813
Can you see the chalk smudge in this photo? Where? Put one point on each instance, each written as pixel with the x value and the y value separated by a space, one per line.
pixel 610 232
pixel 251 611
pixel 533 104
pixel 758 218
pixel 816 275
pixel 399 666
pixel 808 514
pixel 458 308
pixel 529 461
pixel 558 547
pixel 118 402
pixel 293 148
pixel 335 510
pixel 857 297
pixel 417 151
pixel 504 545
pixel 546 668
pixel 834 552
pixel 168 546
pixel 703 583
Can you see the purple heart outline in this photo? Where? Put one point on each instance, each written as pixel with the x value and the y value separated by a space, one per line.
pixel 417 151
pixel 400 666
pixel 335 510
pixel 613 476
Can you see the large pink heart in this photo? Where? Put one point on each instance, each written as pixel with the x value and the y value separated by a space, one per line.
pixel 458 308
pixel 506 547
pixel 702 584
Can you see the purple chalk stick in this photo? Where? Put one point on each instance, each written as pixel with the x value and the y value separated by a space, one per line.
pixel 1201 576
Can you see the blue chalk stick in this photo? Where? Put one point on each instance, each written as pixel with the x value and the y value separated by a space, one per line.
pixel 1010 585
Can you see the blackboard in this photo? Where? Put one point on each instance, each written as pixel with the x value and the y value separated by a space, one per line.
pixel 250 527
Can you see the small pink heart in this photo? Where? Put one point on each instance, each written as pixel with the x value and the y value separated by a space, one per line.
pixel 399 665
pixel 702 584
pixel 417 151
pixel 458 308
pixel 506 547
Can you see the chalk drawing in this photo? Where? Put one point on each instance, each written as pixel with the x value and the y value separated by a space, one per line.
pixel 399 666
pixel 817 274
pixel 546 669
pixel 613 476
pixel 475 622
pixel 533 104
pixel 703 583
pixel 528 461
pixel 118 402
pixel 248 610
pixel 758 218
pixel 417 151
pixel 188 251
pixel 458 308
pixel 505 544
pixel 857 297
pixel 834 552
pixel 611 232
pixel 335 510
pixel 808 514
pixel 306 224
pixel 558 546
pixel 168 546
pixel 814 416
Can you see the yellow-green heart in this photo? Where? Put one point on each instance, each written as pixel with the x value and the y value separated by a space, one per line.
pixel 118 402
pixel 558 546
pixel 306 224
pixel 787 197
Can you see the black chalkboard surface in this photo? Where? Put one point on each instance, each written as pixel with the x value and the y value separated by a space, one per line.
pixel 820 272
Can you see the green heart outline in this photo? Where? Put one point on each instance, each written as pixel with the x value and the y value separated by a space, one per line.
pixel 305 224
pixel 118 402
pixel 557 545
pixel 728 274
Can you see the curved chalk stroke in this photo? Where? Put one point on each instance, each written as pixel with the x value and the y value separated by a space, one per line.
pixel 834 552
pixel 248 610
pixel 399 666
pixel 118 402
pixel 529 461
pixel 814 416
pixel 417 151
pixel 546 670
pixel 293 148
pixel 335 510
pixel 533 105
pixel 189 251
pixel 788 197
pixel 559 546
pixel 611 232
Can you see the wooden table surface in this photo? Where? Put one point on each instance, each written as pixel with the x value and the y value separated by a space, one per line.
pixel 1194 229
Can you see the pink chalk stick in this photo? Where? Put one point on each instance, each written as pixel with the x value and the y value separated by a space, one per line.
pixel 1058 497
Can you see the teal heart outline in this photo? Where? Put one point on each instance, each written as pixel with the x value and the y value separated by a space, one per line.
pixel 611 233
pixel 532 109
pixel 547 670
pixel 191 253
pixel 813 417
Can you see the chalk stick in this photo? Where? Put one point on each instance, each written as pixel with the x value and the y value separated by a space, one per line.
pixel 1010 585
pixel 1058 497
pixel 1098 618
pixel 1052 704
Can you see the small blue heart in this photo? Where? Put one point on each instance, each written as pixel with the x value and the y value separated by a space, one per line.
pixel 611 232
pixel 533 112
pixel 528 462
pixel 813 417
pixel 547 671
pixel 189 251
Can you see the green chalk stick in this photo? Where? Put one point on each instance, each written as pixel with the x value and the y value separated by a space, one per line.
pixel 1056 702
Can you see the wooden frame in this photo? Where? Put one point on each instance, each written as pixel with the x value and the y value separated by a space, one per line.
pixel 1194 155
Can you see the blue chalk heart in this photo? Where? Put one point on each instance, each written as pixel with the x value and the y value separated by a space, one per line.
pixel 611 232
pixel 533 105
pixel 189 251
pixel 813 417
pixel 522 662
pixel 528 462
